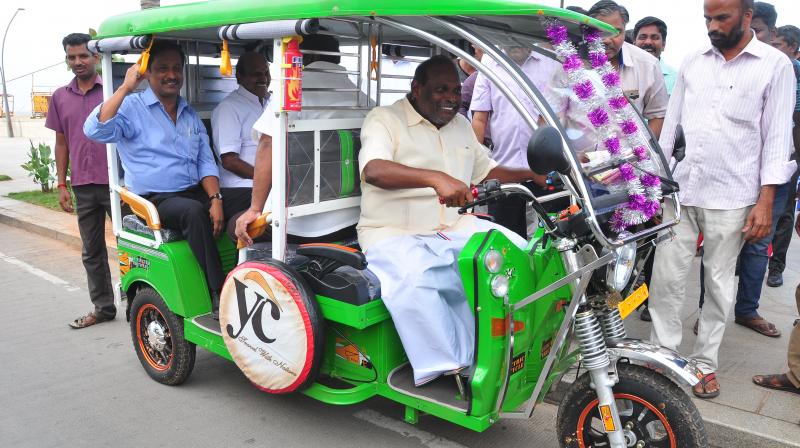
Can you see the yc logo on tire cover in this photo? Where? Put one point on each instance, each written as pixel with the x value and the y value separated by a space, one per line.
pixel 266 327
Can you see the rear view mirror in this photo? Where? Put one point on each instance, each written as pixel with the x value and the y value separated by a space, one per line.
pixel 545 152
pixel 679 147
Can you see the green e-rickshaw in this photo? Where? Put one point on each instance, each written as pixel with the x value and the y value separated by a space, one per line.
pixel 309 318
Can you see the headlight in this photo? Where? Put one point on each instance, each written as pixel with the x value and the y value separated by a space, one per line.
pixel 493 261
pixel 619 271
pixel 500 286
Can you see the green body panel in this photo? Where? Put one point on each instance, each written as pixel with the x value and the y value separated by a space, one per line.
pixel 226 12
pixel 355 316
pixel 349 163
pixel 537 323
pixel 205 339
pixel 173 272
pixel 362 346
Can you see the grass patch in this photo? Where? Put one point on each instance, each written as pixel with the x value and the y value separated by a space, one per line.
pixel 36 197
pixel 4 177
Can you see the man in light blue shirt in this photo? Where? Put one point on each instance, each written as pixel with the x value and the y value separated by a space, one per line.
pixel 650 34
pixel 164 150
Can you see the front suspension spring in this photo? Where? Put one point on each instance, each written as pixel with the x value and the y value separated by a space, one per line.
pixel 612 324
pixel 591 339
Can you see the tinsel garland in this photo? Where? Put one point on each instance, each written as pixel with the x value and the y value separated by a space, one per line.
pixel 615 123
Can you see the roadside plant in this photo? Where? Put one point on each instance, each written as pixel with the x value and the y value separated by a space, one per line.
pixel 41 166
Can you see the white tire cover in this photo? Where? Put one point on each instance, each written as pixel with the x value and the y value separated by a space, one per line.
pixel 266 326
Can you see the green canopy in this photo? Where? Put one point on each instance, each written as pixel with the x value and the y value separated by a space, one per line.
pixel 215 13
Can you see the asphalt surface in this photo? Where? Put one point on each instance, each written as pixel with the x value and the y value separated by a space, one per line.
pixel 85 388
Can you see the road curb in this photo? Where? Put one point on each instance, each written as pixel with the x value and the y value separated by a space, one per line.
pixel 726 426
pixel 70 240
pixel 45 227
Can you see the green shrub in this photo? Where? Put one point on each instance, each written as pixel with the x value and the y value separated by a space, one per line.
pixel 41 166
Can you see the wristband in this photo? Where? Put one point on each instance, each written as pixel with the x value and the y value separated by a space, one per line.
pixel 61 185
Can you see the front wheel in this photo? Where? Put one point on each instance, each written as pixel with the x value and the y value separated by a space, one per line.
pixel 653 410
pixel 158 339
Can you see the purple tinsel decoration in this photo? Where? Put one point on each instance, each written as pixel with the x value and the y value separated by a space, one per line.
pixel 584 90
pixel 613 145
pixel 626 170
pixel 611 80
pixel 641 152
pixel 572 62
pixel 651 208
pixel 557 34
pixel 597 59
pixel 617 223
pixel 618 103
pixel 637 202
pixel 628 127
pixel 591 35
pixel 648 180
pixel 598 117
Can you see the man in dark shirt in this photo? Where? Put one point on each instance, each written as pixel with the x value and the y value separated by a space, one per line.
pixel 69 107
pixel 788 41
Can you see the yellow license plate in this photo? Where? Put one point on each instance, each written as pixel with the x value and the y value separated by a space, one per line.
pixel 633 301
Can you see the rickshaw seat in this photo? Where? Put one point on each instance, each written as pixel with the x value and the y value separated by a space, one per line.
pixel 345 283
pixel 135 224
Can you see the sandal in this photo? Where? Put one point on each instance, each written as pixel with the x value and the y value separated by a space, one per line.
pixel 703 384
pixel 778 382
pixel 759 325
pixel 88 320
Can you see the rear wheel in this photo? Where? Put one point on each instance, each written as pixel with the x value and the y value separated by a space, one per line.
pixel 158 339
pixel 653 410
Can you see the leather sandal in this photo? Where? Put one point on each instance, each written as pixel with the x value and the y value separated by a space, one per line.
pixel 703 384
pixel 759 325
pixel 88 320
pixel 778 382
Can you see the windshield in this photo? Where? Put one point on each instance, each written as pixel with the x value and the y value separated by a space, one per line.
pixel 605 185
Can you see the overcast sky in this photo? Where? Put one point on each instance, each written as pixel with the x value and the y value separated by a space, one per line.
pixel 34 40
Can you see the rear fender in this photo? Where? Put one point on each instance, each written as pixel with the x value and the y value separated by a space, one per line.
pixel 656 357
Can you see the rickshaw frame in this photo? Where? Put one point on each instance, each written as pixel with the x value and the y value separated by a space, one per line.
pixel 580 264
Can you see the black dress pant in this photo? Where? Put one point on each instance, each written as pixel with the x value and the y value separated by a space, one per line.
pixel 784 230
pixel 92 205
pixel 188 212
pixel 235 201
pixel 511 211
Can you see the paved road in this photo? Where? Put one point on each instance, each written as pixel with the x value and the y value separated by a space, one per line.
pixel 67 388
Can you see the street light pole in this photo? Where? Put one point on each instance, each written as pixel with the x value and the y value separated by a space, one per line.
pixel 3 75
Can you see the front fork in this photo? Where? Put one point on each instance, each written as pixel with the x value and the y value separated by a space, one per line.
pixel 591 331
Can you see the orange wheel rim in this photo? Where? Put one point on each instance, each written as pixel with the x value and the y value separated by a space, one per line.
pixel 157 359
pixel 593 407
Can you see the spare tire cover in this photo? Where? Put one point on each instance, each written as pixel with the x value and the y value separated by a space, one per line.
pixel 271 325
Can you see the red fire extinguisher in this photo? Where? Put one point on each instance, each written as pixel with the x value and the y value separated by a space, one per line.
pixel 292 75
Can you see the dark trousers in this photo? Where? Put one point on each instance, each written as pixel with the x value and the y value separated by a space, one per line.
pixel 784 230
pixel 93 204
pixel 235 201
pixel 188 212
pixel 752 265
pixel 511 211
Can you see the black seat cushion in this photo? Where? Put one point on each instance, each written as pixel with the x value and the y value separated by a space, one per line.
pixel 345 283
pixel 263 251
pixel 137 225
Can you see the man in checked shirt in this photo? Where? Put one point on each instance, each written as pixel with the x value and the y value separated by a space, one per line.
pixel 738 135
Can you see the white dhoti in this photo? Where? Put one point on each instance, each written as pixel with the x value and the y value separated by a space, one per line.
pixel 422 289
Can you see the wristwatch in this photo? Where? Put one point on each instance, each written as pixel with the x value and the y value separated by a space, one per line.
pixel 216 195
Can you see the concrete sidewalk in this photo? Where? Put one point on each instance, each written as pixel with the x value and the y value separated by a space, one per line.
pixel 39 220
pixel 744 415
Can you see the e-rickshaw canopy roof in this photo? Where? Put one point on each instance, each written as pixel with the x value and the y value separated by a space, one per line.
pixel 215 13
